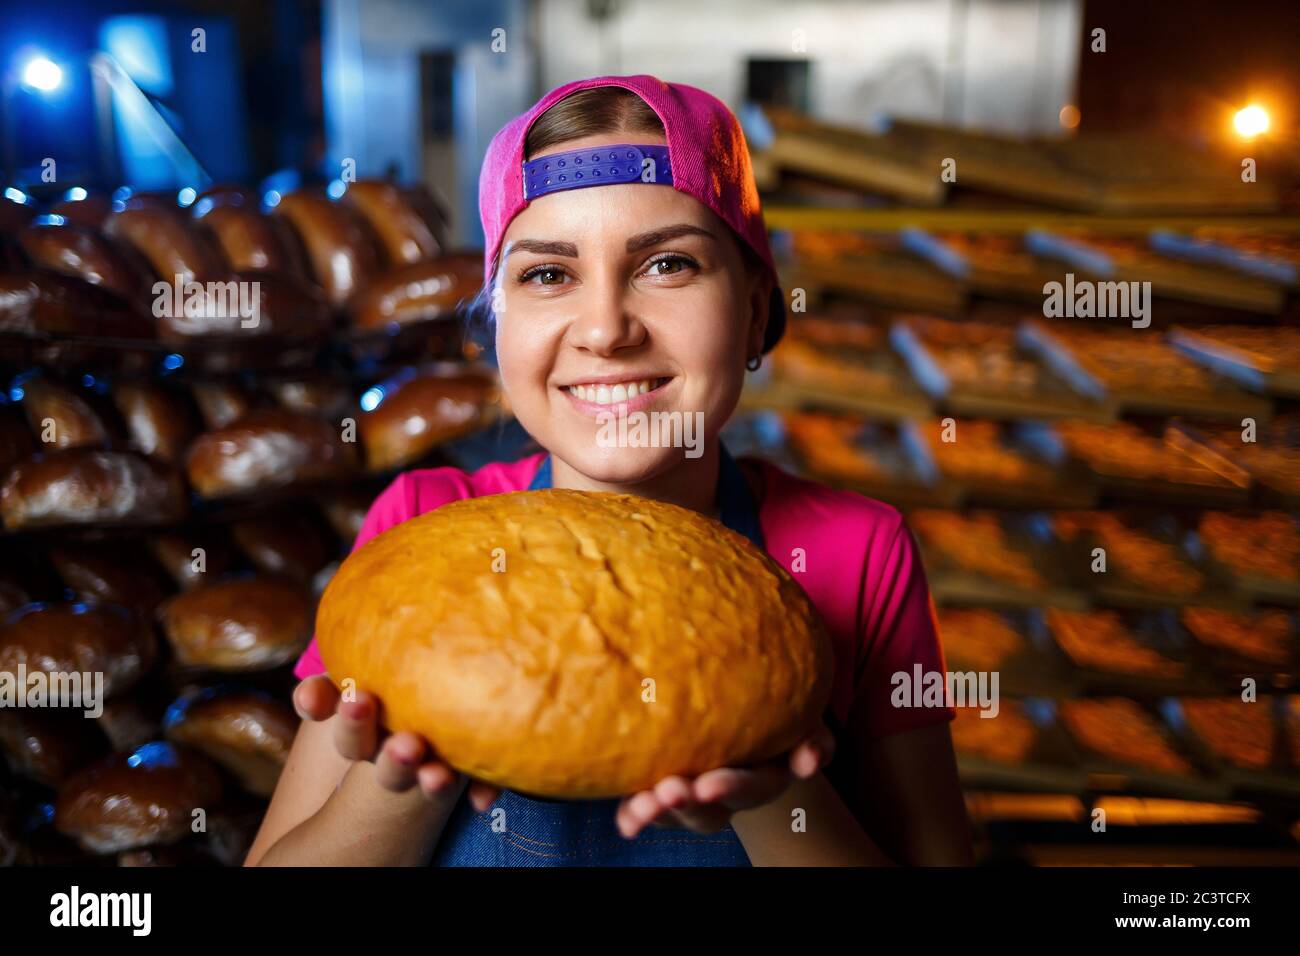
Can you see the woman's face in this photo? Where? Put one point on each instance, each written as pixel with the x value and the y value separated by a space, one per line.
pixel 624 300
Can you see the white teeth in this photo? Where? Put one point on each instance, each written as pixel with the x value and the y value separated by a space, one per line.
pixel 607 395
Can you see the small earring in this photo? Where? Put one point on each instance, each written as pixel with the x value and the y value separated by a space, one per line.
pixel 754 363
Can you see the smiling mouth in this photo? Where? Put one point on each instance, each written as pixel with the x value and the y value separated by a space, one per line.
pixel 613 394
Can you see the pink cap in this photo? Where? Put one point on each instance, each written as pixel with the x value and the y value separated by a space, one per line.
pixel 710 162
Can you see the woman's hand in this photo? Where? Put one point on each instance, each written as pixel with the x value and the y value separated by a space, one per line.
pixel 402 761
pixel 705 803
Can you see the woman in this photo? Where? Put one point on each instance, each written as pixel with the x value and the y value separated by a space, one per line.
pixel 629 270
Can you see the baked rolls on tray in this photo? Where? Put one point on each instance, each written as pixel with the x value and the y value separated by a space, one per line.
pixel 168 241
pixel 61 417
pixel 91 486
pixel 249 240
pixel 244 624
pixel 419 292
pixel 341 251
pixel 136 799
pixel 1244 734
pixel 40 303
pixel 1119 729
pixel 618 641
pixel 161 421
pixel 405 235
pixel 417 413
pixel 75 638
pixel 247 733
pixel 266 449
pixel 272 309
pixel 86 254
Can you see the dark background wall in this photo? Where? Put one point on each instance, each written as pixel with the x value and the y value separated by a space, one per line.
pixel 1182 68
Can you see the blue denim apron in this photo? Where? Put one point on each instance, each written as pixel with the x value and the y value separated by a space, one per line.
pixel 535 832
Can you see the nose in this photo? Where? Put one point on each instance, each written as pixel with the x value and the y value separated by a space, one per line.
pixel 606 320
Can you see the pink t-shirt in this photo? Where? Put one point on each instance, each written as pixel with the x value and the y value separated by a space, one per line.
pixel 857 562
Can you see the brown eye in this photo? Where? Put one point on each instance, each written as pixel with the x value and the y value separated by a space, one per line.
pixel 666 267
pixel 550 276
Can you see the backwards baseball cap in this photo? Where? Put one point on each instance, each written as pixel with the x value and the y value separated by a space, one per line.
pixel 706 158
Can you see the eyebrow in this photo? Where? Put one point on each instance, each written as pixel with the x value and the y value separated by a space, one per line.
pixel 644 240
pixel 655 236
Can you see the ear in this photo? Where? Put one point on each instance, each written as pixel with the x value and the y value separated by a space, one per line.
pixel 760 302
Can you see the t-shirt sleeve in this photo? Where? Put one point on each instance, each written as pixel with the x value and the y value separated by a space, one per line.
pixel 395 504
pixel 899 632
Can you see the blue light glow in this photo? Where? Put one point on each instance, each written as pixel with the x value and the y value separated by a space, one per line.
pixel 173 362
pixel 186 196
pixel 16 195
pixel 371 398
pixel 155 754
pixel 75 194
pixel 16 394
pixel 42 74
pixel 271 199
pixel 336 189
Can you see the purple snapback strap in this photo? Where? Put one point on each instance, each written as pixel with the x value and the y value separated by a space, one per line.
pixel 597 166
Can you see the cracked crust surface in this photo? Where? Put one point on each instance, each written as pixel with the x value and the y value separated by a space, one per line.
pixel 535 677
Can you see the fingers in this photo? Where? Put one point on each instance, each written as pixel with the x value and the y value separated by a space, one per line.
pixel 671 803
pixel 742 789
pixel 483 795
pixel 356 733
pixel 398 762
pixel 437 780
pixel 814 753
pixel 316 698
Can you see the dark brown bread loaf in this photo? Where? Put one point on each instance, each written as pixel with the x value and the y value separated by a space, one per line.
pixel 86 254
pixel 419 292
pixel 75 638
pixel 405 234
pixel 267 449
pixel 341 251
pixel 137 799
pixel 247 733
pixel 241 625
pixel 91 486
pixel 168 241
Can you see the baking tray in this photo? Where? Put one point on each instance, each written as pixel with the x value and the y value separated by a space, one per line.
pixel 1031 574
pixel 1129 546
pixel 1081 355
pixel 1026 670
pixel 992 466
pixel 1051 764
pixel 864 456
pixel 1272 461
pixel 977 393
pixel 1107 774
pixel 1251 584
pixel 1156 632
pixel 1264 360
pixel 1174 473
pixel 1280 777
